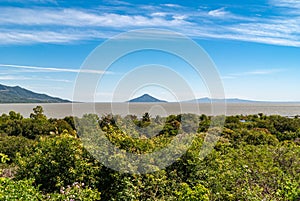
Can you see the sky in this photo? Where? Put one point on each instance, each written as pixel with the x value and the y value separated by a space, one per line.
pixel 253 44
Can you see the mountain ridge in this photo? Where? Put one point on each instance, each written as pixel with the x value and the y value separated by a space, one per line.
pixel 228 100
pixel 17 94
pixel 146 98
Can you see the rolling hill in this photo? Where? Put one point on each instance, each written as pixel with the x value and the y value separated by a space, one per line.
pixel 20 95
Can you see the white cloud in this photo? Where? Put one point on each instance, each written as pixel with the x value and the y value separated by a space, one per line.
pixel 280 31
pixel 159 14
pixel 20 36
pixel 117 2
pixel 31 1
pixel 179 17
pixel 284 28
pixel 52 25
pixel 171 5
pixel 286 3
pixel 152 34
pixel 222 15
pixel 259 72
pixel 218 12
pixel 10 77
pixel 47 69
pixel 79 18
pixel 16 77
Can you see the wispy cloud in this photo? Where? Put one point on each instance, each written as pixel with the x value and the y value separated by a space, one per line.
pixel 9 77
pixel 172 5
pixel 79 18
pixel 260 72
pixel 47 69
pixel 218 12
pixel 286 3
pixel 8 36
pixel 16 77
pixel 159 14
pixel 179 17
pixel 31 1
pixel 117 2
pixel 65 25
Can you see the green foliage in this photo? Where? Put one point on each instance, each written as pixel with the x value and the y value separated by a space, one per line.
pixel 172 125
pixel 22 190
pixel 70 120
pixel 62 125
pixel 249 172
pixel 15 125
pixel 3 158
pixel 254 136
pixel 256 158
pixel 11 124
pixel 144 122
pixel 155 186
pixel 10 145
pixel 288 189
pixel 38 113
pixel 76 191
pixel 197 193
pixel 204 123
pixel 58 161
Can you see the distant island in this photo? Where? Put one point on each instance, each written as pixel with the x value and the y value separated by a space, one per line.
pixel 17 94
pixel 146 98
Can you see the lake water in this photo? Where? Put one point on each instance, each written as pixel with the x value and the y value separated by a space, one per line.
pixel 59 110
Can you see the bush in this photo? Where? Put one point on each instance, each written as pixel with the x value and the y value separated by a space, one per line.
pixel 24 190
pixel 197 193
pixel 58 161
pixel 255 159
pixel 10 145
pixel 18 190
pixel 76 191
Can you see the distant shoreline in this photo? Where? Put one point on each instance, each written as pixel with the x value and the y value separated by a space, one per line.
pixel 60 110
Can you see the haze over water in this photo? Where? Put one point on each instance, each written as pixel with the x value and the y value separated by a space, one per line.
pixel 60 110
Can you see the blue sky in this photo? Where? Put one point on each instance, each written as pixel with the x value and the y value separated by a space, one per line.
pixel 254 44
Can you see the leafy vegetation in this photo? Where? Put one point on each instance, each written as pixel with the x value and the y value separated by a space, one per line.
pixel 24 190
pixel 255 158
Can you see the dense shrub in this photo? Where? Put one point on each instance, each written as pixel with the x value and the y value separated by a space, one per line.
pixel 198 192
pixel 10 145
pixel 23 190
pixel 38 124
pixel 256 158
pixel 54 162
pixel 18 190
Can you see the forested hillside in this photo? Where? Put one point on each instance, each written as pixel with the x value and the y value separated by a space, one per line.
pixel 255 158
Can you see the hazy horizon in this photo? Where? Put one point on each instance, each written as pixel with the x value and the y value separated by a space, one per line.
pixel 184 100
pixel 254 46
pixel 61 110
